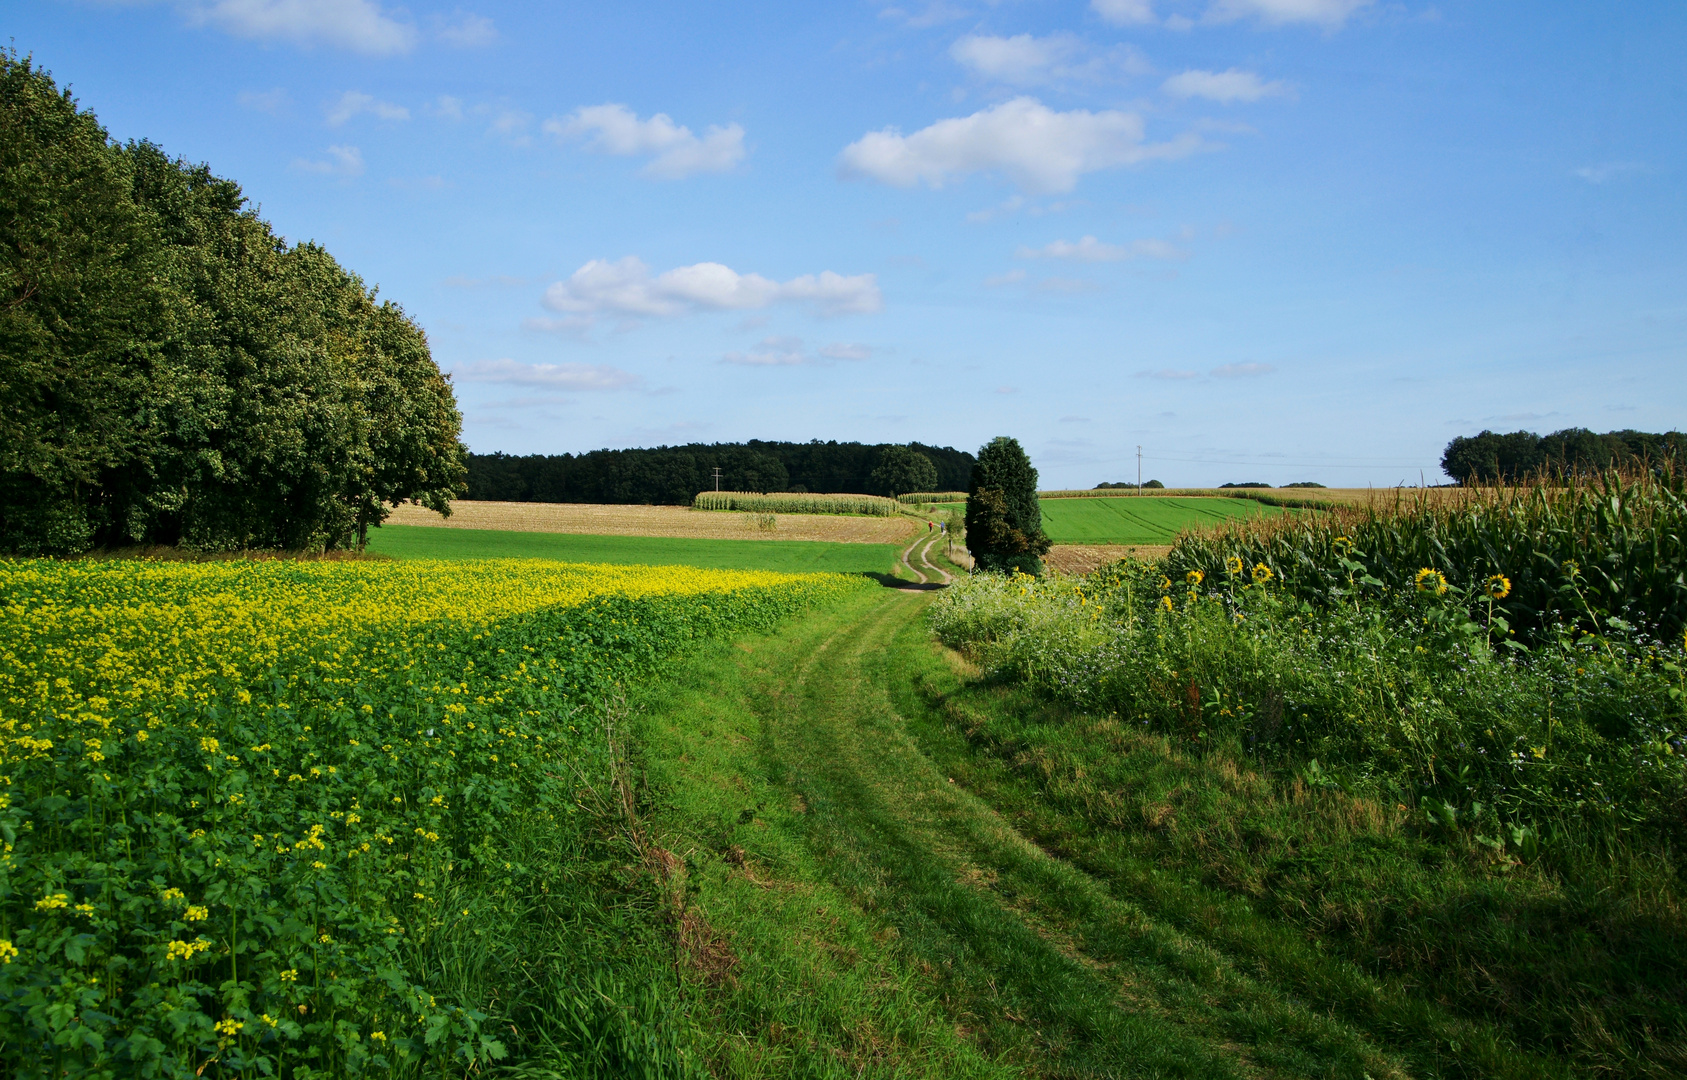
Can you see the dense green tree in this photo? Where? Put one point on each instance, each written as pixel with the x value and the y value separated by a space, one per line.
pixel 901 470
pixel 182 375
pixel 1004 522
pixel 1488 457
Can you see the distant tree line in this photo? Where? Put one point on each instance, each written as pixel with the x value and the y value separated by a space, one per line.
pixel 173 372
pixel 1488 457
pixel 673 475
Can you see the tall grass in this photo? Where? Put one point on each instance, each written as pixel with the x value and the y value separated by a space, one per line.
pixel 795 503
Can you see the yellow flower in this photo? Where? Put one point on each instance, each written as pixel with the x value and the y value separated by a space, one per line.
pixel 290 975
pixel 7 951
pixel 53 902
pixel 84 909
pixel 1233 565
pixel 378 1036
pixel 1428 580
pixel 1165 603
pixel 1165 583
pixel 1497 587
pixel 229 1027
pixel 1262 573
pixel 209 745
pixel 1195 577
pixel 1344 545
pixel 195 913
pixel 171 895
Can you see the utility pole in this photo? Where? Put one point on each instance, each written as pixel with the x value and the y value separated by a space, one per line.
pixel 1139 469
pixel 717 476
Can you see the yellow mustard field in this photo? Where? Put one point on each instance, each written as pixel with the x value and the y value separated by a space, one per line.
pixel 234 796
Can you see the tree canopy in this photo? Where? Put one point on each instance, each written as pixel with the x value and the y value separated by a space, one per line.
pixel 1004 520
pixel 1488 457
pixel 902 469
pixel 175 372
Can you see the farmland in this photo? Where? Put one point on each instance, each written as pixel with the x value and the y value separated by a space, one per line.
pixel 421 542
pixel 1154 520
pixel 669 521
pixel 291 814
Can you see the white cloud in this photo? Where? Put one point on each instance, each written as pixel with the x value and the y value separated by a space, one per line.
pixel 447 107
pixel 675 152
pixel 1036 148
pixel 466 31
pixel 358 25
pixel 1610 170
pixel 274 102
pixel 344 161
pixel 569 376
pixel 1224 86
pixel 1242 371
pixel 1330 13
pixel 1124 12
pixel 1024 60
pixel 353 103
pixel 510 125
pixel 1089 249
pixel 625 287
pixel 842 350
pixel 772 352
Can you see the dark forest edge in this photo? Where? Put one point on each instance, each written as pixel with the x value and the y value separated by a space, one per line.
pixel 175 372
pixel 1489 457
pixel 673 475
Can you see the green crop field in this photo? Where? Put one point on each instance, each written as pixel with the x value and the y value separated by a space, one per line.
pixel 794 556
pixel 1151 520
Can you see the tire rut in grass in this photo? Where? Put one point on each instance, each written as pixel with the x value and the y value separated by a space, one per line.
pixel 1038 960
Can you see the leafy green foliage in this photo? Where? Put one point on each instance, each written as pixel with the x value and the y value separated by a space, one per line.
pixel 1004 522
pixel 797 503
pixel 181 375
pixel 1487 457
pixel 902 469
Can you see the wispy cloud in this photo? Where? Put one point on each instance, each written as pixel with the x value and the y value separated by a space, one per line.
pixel 1224 87
pixel 354 25
pixel 1037 148
pixel 1089 249
pixel 1026 60
pixel 355 103
pixel 342 161
pixel 1242 371
pixel 465 31
pixel 569 376
pixel 674 151
pixel 275 102
pixel 1610 170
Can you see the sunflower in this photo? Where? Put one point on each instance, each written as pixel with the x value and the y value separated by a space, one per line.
pixel 1343 545
pixel 1262 573
pixel 1165 603
pixel 1195 577
pixel 1428 580
pixel 1233 565
pixel 1165 583
pixel 1497 587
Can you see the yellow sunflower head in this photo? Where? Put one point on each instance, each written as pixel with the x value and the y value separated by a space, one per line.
pixel 1262 573
pixel 1195 577
pixel 1428 580
pixel 1233 565
pixel 1344 545
pixel 1497 587
pixel 1165 583
pixel 1165 603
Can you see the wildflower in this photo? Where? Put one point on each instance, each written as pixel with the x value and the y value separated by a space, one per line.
pixel 377 1036
pixel 1195 577
pixel 1497 587
pixel 7 951
pixel 268 1019
pixel 1233 565
pixel 84 909
pixel 209 745
pixel 169 895
pixel 195 913
pixel 184 950
pixel 1344 545
pixel 1165 603
pixel 229 1027
pixel 1165 583
pixel 290 975
pixel 1572 568
pixel 1262 573
pixel 53 902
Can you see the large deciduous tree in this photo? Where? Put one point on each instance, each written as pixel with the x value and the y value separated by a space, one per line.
pixel 177 373
pixel 1004 521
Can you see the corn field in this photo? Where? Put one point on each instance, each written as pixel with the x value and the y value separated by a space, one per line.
pixel 797 503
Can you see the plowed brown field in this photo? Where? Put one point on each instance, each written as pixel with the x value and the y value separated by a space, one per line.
pixel 596 520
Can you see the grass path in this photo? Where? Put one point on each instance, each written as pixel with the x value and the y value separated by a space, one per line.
pixel 852 910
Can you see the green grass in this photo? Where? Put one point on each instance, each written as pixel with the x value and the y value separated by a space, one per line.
pixel 1149 520
pixel 792 556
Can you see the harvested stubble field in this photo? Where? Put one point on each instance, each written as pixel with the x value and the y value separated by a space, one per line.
pixel 669 521
pixel 1086 558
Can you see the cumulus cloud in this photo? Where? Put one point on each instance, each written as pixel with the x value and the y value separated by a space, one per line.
pixel 353 103
pixel 570 376
pixel 625 287
pixel 1329 13
pixel 1089 249
pixel 1224 87
pixel 466 31
pixel 1036 148
pixel 1124 12
pixel 674 151
pixel 356 25
pixel 1024 60
pixel 1242 371
pixel 343 161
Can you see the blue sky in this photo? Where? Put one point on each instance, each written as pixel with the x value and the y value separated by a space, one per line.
pixel 1267 240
